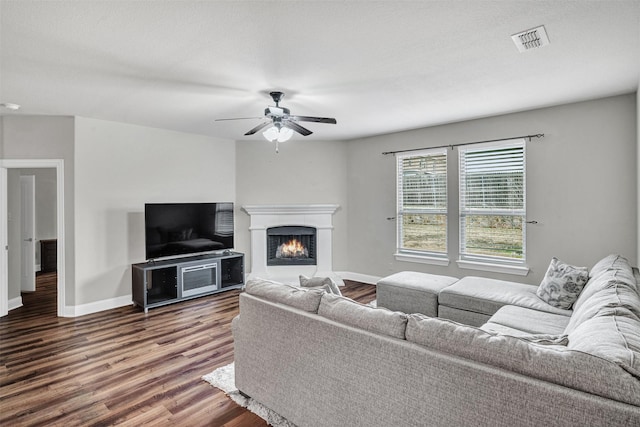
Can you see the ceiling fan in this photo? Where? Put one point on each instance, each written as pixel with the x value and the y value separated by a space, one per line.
pixel 282 123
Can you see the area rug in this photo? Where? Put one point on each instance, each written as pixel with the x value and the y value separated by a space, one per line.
pixel 224 379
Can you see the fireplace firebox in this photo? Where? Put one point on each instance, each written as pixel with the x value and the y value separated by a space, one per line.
pixel 291 245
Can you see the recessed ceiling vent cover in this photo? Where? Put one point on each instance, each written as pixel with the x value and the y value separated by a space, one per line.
pixel 531 39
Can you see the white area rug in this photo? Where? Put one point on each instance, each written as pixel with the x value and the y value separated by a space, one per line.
pixel 224 379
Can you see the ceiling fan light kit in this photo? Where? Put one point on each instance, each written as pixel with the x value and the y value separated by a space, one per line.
pixel 283 124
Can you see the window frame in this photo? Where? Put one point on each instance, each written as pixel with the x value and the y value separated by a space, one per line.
pixel 502 264
pixel 417 255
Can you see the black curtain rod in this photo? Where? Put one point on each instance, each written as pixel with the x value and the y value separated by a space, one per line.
pixel 538 135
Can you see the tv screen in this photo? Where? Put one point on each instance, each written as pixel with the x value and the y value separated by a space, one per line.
pixel 173 229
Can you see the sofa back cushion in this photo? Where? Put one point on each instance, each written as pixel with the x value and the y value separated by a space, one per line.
pixel 552 363
pixel 612 285
pixel 303 299
pixel 349 312
pixel 614 335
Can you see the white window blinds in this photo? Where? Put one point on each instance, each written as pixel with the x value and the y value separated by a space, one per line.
pixel 492 202
pixel 422 202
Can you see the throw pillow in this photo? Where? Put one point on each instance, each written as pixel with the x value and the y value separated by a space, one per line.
pixel 562 284
pixel 312 282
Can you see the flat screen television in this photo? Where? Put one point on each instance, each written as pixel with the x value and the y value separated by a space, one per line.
pixel 177 229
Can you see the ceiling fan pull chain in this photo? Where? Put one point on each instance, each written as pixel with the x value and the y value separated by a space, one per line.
pixel 277 146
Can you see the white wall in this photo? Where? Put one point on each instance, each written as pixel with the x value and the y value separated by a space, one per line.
pixel 121 167
pixel 581 186
pixel 305 171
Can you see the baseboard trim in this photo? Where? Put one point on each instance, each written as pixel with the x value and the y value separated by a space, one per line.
pixel 94 307
pixel 108 304
pixel 358 277
pixel 15 303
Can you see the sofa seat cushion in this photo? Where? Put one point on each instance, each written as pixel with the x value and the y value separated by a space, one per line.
pixel 552 363
pixel 349 312
pixel 412 292
pixel 530 321
pixel 486 296
pixel 303 299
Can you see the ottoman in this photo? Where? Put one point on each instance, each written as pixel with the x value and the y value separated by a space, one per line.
pixel 412 292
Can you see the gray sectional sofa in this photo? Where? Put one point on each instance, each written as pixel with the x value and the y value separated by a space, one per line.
pixel 324 360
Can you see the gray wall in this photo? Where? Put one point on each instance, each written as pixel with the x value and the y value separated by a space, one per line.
pixel 581 186
pixel 119 168
pixel 305 171
pixel 45 206
pixel 48 137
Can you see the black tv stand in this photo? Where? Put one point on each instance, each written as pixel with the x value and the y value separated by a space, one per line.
pixel 160 282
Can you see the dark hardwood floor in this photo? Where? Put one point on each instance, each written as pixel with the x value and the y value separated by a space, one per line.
pixel 121 367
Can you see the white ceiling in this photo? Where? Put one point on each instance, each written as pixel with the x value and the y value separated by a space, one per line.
pixel 376 66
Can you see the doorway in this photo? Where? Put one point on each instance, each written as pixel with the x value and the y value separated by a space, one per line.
pixel 58 165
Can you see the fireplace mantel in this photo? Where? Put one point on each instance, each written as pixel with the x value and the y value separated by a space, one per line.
pixel 319 216
pixel 290 209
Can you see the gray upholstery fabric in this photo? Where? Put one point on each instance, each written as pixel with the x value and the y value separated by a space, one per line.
pixel 552 363
pixel 378 320
pixel 614 337
pixel 530 321
pixel 486 296
pixel 412 292
pixel 562 284
pixel 463 316
pixel 317 372
pixel 613 285
pixel 307 300
pixel 312 282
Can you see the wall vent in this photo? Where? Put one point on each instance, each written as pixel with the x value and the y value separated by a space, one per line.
pixel 531 39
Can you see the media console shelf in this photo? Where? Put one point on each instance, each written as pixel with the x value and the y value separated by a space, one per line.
pixel 157 283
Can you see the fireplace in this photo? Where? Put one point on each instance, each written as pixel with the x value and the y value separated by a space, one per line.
pixel 291 245
pixel 311 228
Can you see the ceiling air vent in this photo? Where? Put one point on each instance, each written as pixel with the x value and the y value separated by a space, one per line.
pixel 531 39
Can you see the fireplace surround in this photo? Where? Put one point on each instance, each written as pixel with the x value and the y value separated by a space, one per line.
pixel 293 221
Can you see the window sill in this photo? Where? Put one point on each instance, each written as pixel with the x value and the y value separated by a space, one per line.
pixel 495 268
pixel 423 259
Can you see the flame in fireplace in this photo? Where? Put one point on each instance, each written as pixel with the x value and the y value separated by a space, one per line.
pixel 292 249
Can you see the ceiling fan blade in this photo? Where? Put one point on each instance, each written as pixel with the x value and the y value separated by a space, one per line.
pixel 301 130
pixel 239 118
pixel 329 120
pixel 257 128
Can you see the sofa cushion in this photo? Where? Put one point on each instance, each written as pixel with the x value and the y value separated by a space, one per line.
pixel 530 321
pixel 552 363
pixel 486 296
pixel 312 282
pixel 349 312
pixel 611 293
pixel 562 284
pixel 614 337
pixel 412 292
pixel 613 268
pixel 304 299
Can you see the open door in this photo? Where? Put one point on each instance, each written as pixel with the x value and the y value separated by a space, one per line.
pixel 4 246
pixel 27 233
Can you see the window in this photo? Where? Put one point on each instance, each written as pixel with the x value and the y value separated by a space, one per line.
pixel 422 204
pixel 492 203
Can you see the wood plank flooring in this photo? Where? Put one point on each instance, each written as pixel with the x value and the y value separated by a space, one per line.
pixel 121 367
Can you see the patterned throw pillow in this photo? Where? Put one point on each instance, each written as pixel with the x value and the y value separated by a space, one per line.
pixel 312 282
pixel 562 284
